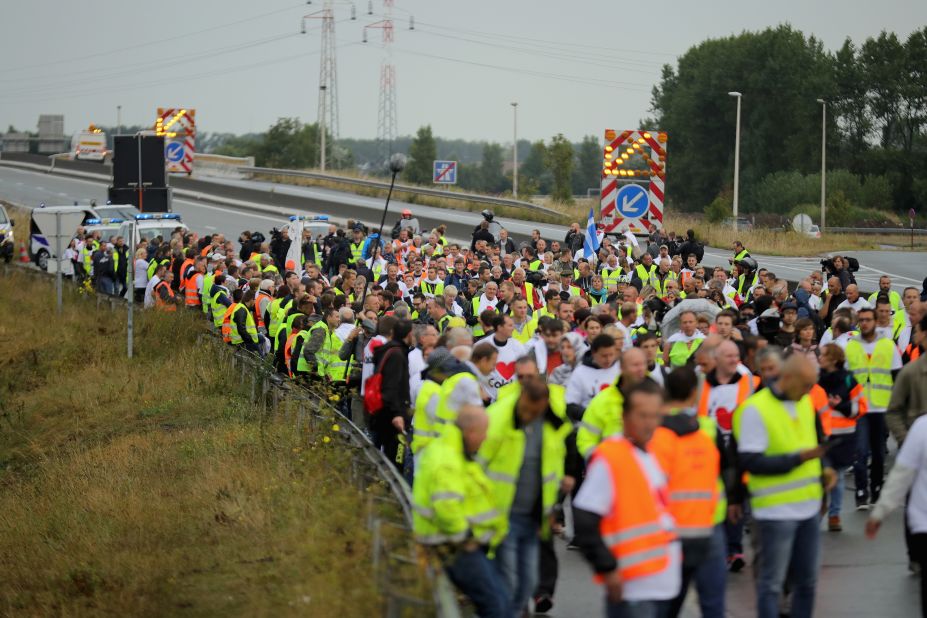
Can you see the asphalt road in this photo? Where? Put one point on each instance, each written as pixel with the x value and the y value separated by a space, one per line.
pixel 31 188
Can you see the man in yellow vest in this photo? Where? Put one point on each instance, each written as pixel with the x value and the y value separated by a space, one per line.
pixel 874 362
pixel 885 287
pixel 523 456
pixel 623 524
pixel 779 440
pixel 455 513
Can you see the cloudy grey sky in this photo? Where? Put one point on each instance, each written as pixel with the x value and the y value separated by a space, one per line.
pixel 574 67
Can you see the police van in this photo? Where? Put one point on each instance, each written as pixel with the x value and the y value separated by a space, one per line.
pixel 42 226
pixel 108 227
pixel 151 225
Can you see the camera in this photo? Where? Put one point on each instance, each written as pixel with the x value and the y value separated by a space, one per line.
pixel 535 278
pixel 658 307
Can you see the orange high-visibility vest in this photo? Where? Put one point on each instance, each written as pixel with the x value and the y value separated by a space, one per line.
pixel 258 314
pixel 184 266
pixel 288 350
pixel 633 530
pixel 746 386
pixel 191 293
pixel 160 304
pixel 227 323
pixel 833 422
pixel 692 464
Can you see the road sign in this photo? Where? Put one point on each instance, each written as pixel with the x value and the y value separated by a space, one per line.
pixel 178 124
pixel 631 201
pixel 444 172
pixel 623 157
pixel 173 152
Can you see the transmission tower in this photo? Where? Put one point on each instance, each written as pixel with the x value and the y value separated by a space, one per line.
pixel 386 111
pixel 328 81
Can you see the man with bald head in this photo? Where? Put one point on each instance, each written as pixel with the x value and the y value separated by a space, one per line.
pixel 832 299
pixel 455 507
pixel 854 301
pixel 779 440
pixel 723 389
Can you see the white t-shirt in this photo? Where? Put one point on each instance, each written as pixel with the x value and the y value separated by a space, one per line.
pixel 367 367
pixel 416 366
pixel 141 273
pixel 861 303
pixel 754 439
pixel 597 496
pixel 510 352
pixel 913 454
pixel 149 290
pixel 586 382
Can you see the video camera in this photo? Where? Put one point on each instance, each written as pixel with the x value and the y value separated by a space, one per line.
pixel 827 265
pixel 658 307
pixel 535 278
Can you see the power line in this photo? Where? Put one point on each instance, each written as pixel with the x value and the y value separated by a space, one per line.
pixel 125 48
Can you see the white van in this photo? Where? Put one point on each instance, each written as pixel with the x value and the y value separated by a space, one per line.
pixel 152 225
pixel 89 145
pixel 42 226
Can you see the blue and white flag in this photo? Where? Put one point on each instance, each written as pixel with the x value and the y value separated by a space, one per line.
pixel 591 241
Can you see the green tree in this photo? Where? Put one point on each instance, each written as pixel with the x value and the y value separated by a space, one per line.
pixel 533 172
pixel 560 163
pixel 588 170
pixel 422 153
pixel 289 144
pixel 492 180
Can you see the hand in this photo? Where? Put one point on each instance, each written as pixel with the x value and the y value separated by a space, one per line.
pixel 471 545
pixel 811 453
pixel 613 587
pixel 354 333
pixel 735 512
pixel 872 528
pixel 834 400
pixel 829 476
pixel 567 484
pixel 555 526
pixel 400 424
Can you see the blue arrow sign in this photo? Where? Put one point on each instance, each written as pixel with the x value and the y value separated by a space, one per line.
pixel 631 201
pixel 173 152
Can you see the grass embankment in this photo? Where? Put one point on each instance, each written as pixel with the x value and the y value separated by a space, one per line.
pixel 779 242
pixel 154 487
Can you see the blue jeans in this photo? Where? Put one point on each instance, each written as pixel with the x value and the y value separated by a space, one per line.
pixel 787 548
pixel 474 575
pixel 636 609
pixel 711 576
pixel 870 440
pixel 734 536
pixel 105 285
pixel 517 560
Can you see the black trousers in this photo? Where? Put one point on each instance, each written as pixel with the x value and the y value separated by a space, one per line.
pixel 548 567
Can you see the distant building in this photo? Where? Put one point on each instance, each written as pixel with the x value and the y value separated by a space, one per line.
pixel 15 142
pixel 51 134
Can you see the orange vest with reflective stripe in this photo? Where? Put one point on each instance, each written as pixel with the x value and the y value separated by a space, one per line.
pixel 258 314
pixel 288 350
pixel 833 422
pixel 633 530
pixel 227 323
pixel 184 266
pixel 191 293
pixel 160 304
pixel 692 464
pixel 746 386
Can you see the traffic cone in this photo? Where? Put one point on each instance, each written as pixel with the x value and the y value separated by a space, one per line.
pixel 23 255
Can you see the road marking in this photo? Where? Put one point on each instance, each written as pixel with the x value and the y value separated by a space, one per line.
pixel 209 227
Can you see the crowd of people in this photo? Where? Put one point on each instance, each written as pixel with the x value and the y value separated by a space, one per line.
pixel 638 403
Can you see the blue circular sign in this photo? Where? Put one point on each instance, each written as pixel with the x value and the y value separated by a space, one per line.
pixel 632 201
pixel 174 152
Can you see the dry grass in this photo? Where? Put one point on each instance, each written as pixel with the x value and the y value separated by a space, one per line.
pixel 153 487
pixel 778 242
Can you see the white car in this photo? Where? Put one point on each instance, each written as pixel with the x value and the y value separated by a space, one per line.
pixel 813 232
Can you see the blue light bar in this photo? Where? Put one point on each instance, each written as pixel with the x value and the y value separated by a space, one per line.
pixel 157 215
pixel 93 222
pixel 308 217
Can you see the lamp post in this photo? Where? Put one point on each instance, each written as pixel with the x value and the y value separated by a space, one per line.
pixel 118 119
pixel 324 124
pixel 738 96
pixel 515 149
pixel 823 161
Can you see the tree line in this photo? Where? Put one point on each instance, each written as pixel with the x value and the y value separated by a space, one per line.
pixel 876 101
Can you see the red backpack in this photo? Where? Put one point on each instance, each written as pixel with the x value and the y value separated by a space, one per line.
pixel 373 388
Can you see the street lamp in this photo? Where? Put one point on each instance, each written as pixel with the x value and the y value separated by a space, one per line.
pixel 118 119
pixel 324 123
pixel 738 96
pixel 823 159
pixel 515 149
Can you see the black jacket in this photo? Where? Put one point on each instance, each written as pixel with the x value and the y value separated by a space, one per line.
pixel 395 371
pixel 481 234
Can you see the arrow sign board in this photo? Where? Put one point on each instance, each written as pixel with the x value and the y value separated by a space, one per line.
pixel 173 152
pixel 632 201
pixel 445 172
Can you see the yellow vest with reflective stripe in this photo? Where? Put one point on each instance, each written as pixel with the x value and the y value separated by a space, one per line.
pixel 786 436
pixel 452 499
pixel 425 423
pixel 601 419
pixel 250 327
pixel 873 373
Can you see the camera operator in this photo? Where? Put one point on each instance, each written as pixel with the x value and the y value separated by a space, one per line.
pixel 279 245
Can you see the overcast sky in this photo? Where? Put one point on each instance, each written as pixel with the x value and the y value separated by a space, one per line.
pixel 574 67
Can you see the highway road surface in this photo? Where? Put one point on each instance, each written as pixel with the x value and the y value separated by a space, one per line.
pixel 30 188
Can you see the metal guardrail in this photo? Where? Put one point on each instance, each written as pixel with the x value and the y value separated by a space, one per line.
pixel 310 409
pixel 376 184
pixel 875 230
